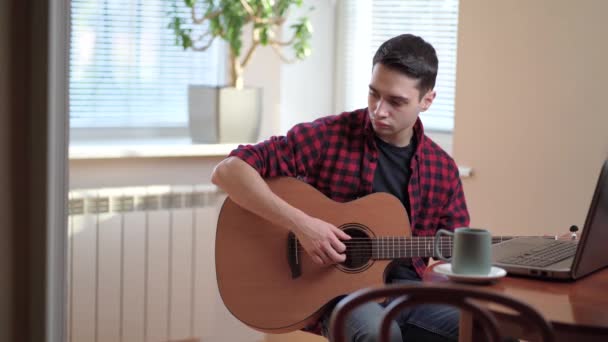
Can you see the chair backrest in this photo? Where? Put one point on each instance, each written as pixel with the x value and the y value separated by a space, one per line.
pixel 462 297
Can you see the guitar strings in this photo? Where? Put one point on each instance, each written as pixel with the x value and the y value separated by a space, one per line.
pixel 396 245
pixel 387 247
pixel 395 251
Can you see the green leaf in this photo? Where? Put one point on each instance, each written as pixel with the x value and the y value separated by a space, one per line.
pixel 232 19
pixel 264 36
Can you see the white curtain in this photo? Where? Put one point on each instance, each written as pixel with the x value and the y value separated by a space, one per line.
pixel 125 69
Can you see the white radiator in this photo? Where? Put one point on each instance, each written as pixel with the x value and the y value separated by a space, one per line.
pixel 141 266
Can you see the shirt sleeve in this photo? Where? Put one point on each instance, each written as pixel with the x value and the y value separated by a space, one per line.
pixel 455 213
pixel 292 155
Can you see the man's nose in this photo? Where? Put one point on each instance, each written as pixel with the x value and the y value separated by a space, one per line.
pixel 381 109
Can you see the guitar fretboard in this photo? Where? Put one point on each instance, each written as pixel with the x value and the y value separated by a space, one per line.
pixel 394 247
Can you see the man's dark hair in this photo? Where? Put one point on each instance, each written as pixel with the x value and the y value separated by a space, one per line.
pixel 412 56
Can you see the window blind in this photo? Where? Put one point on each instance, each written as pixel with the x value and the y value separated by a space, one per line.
pixel 363 25
pixel 125 69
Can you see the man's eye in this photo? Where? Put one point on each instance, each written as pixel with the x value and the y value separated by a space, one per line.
pixel 373 94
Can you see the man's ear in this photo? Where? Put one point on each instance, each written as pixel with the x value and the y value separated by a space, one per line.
pixel 427 100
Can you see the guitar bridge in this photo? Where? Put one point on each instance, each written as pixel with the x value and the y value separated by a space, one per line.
pixel 293 257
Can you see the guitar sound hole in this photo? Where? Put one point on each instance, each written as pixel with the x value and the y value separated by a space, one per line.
pixel 358 249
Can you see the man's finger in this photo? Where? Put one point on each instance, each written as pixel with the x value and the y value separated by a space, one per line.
pixel 323 256
pixel 337 245
pixel 341 234
pixel 335 256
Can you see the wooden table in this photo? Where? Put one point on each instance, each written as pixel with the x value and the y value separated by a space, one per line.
pixel 578 310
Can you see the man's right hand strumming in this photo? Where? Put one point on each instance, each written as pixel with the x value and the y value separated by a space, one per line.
pixel 321 240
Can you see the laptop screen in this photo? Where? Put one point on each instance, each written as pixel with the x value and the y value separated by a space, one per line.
pixel 591 254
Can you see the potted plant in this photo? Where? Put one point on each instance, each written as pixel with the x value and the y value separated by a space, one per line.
pixel 226 19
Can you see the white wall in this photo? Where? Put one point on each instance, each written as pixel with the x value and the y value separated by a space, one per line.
pixel 307 86
pixel 264 72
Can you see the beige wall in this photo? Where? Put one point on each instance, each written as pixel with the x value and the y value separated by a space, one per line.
pixel 531 117
pixel 5 214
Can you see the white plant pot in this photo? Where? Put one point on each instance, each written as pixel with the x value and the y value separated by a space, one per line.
pixel 224 114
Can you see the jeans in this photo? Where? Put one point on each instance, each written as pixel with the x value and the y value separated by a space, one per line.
pixel 429 322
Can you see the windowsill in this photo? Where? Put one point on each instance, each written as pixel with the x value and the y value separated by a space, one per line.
pixel 165 148
pixel 152 148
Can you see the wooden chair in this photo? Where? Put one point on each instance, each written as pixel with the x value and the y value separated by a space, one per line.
pixel 467 298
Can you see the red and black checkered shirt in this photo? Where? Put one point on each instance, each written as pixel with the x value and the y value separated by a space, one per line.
pixel 338 156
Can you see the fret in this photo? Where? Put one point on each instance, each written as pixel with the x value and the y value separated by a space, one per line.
pixel 441 245
pixel 374 256
pixel 387 247
pixel 384 247
pixel 397 250
pixel 450 247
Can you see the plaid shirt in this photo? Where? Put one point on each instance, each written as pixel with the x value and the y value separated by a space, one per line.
pixel 338 156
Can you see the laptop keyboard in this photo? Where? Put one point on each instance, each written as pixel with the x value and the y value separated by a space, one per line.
pixel 545 255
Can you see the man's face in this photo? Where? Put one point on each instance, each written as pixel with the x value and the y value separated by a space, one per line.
pixel 394 104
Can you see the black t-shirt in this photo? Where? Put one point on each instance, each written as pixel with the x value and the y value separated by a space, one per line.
pixel 393 171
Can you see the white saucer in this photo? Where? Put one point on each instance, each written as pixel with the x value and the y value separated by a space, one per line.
pixel 495 273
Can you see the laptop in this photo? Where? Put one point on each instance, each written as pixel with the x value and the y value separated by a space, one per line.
pixel 562 259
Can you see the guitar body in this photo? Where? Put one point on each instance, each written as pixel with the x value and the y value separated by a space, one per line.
pixel 252 257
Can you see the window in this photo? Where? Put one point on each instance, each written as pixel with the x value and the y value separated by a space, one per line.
pixel 365 24
pixel 126 71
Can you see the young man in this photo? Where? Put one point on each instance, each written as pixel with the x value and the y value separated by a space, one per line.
pixel 380 148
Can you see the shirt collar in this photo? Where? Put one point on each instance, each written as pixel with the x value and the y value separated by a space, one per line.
pixel 418 134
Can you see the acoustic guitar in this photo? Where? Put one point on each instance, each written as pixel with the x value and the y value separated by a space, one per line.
pixel 269 282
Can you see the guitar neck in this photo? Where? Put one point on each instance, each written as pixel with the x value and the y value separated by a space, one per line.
pixel 418 246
